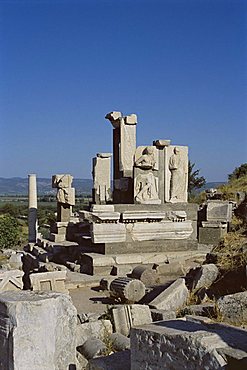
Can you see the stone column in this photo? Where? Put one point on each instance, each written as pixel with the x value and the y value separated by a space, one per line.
pixel 32 209
pixel 161 145
pixel 102 178
pixel 124 146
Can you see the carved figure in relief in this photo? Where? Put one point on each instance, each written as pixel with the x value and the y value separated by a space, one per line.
pixel 178 176
pixel 147 160
pixel 65 193
pixel 146 189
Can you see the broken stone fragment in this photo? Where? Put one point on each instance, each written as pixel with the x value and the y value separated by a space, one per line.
pixel 172 298
pixel 202 277
pixel 233 308
pixel 92 348
pixel 93 329
pixel 119 342
pixel 126 316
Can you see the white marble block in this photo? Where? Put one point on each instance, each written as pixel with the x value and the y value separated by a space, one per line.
pixel 37 331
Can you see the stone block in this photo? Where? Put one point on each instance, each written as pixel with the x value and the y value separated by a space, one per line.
pixel 115 361
pixel 218 210
pixel 161 230
pixel 233 308
pixel 119 342
pixel 37 331
pixel 172 298
pixel 180 344
pixel 93 263
pixel 127 316
pixel 121 270
pixel 203 309
pixel 161 143
pixel 15 261
pixel 209 235
pixel 57 238
pixel 62 181
pixel 92 348
pixel 47 281
pixel 161 315
pixel 11 280
pixel 205 276
pixel 107 233
pixel 93 329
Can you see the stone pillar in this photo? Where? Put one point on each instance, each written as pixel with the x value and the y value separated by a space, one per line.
pixel 124 145
pixel 65 196
pixel 102 178
pixel 176 174
pixel 161 145
pixel 37 331
pixel 32 209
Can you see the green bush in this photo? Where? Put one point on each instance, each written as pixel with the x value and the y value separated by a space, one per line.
pixel 9 231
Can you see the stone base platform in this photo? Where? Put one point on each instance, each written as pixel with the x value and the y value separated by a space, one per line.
pixel 97 264
pixel 145 246
pixel 138 228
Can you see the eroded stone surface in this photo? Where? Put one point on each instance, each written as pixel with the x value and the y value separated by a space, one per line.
pixel 172 298
pixel 37 330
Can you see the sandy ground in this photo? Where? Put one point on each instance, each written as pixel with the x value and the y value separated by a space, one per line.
pixel 89 300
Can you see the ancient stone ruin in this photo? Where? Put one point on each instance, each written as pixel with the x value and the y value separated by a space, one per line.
pixel 146 251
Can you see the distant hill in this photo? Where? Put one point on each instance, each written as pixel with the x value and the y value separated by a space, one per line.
pixel 19 186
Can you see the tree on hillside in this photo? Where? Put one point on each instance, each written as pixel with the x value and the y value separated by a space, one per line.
pixel 238 172
pixel 9 231
pixel 194 180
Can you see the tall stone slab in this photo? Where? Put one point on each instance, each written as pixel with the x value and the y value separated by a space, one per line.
pixel 146 181
pixel 37 331
pixel 32 209
pixel 176 174
pixel 65 196
pixel 102 178
pixel 124 145
pixel 160 146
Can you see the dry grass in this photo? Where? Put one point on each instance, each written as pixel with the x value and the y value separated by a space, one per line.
pixel 229 190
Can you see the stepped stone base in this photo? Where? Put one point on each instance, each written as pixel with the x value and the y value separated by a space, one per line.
pixel 145 246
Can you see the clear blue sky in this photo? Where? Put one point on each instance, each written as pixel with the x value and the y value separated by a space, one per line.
pixel 181 66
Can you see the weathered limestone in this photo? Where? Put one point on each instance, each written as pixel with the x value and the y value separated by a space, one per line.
pixel 146 185
pixel 180 344
pixel 48 281
pixel 176 174
pixel 218 210
pixel 37 330
pixel 11 280
pixel 92 348
pixel 65 196
pixel 107 232
pixel 127 316
pixel 172 298
pixel 32 209
pixel 146 274
pixel 127 289
pixel 233 308
pixel 102 178
pixel 124 145
pixel 161 315
pixel 119 342
pixel 93 329
pixel 205 276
